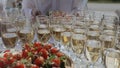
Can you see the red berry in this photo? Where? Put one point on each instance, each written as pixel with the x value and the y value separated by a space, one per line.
pixel 37 44
pixel 19 65
pixel 24 53
pixel 47 46
pixel 34 66
pixel 59 54
pixel 39 61
pixel 7 54
pixel 56 62
pixel 54 50
pixel 2 62
pixel 44 53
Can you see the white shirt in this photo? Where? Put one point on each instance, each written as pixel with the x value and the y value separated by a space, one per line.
pixel 46 5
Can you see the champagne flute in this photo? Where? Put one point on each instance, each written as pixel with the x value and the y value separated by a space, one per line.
pixel 57 30
pixel 111 58
pixel 43 35
pixel 93 51
pixel 26 33
pixel 9 35
pixel 78 44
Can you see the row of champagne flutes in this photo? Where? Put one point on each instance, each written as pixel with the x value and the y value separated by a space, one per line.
pixel 91 39
pixel 87 38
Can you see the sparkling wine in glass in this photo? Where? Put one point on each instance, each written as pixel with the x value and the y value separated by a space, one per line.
pixel 112 58
pixel 26 35
pixel 94 49
pixel 78 43
pixel 9 35
pixel 44 35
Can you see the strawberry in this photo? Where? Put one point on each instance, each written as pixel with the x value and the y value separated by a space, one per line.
pixel 56 62
pixel 10 60
pixel 44 53
pixel 2 62
pixel 59 54
pixel 24 53
pixel 19 65
pixel 7 54
pixel 17 56
pixel 34 66
pixel 37 44
pixel 47 46
pixel 54 50
pixel 27 46
pixel 39 61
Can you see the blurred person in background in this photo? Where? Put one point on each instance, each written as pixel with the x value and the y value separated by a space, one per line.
pixel 42 7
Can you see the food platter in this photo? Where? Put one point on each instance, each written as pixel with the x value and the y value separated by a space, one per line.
pixel 41 56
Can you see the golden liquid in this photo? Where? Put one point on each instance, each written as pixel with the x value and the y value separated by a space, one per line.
pixel 94 48
pixel 66 38
pixel 112 60
pixel 9 39
pixel 26 35
pixel 94 52
pixel 108 41
pixel 78 42
pixel 108 44
pixel 57 33
pixel 43 35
